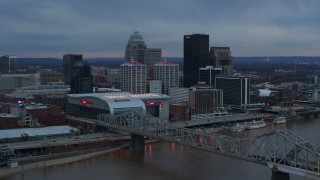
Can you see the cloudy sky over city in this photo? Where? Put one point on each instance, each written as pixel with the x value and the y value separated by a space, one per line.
pixel 101 28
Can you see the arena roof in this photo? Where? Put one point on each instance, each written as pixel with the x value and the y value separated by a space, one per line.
pixel 118 100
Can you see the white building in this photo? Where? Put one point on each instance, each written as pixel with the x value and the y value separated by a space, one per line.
pixel 168 73
pixel 133 77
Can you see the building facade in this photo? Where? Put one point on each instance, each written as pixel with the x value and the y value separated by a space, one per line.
pixel 10 82
pixel 50 76
pixel 155 86
pixel 195 56
pixel 204 99
pixel 136 48
pixel 68 62
pixel 90 105
pixel 208 75
pixel 133 77
pixel 81 78
pixel 153 57
pixel 179 95
pixel 7 64
pixel 221 58
pixel 236 89
pixel 168 74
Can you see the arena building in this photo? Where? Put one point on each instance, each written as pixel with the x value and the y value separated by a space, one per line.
pixel 91 104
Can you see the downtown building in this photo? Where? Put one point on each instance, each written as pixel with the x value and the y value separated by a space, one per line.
pixel 7 64
pixel 136 49
pixel 81 78
pixel 204 99
pixel 221 57
pixel 10 82
pixel 168 74
pixel 236 89
pixel 208 75
pixel 133 77
pixel 68 61
pixel 195 56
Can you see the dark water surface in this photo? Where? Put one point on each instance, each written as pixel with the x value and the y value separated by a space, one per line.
pixel 171 161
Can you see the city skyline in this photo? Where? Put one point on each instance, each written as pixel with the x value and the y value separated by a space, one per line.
pixel 101 29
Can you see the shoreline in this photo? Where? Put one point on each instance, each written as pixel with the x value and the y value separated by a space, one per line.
pixel 5 172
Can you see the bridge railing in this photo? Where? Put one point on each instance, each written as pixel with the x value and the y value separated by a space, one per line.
pixel 281 148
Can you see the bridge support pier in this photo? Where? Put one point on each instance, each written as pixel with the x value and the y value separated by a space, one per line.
pixel 137 142
pixel 278 175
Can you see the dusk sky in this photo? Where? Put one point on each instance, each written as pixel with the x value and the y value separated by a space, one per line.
pixel 101 28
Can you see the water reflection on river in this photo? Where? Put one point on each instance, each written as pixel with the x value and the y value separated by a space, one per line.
pixel 170 161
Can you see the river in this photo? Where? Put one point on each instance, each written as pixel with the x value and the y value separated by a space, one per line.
pixel 170 161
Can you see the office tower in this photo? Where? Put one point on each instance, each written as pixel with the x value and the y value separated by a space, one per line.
pixel 221 58
pixel 168 74
pixel 7 64
pixel 208 75
pixel 236 89
pixel 136 48
pixel 153 57
pixel 204 99
pixel 196 55
pixel 81 79
pixel 68 62
pixel 155 86
pixel 133 77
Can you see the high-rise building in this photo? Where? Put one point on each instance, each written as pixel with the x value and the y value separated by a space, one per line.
pixel 196 55
pixel 168 73
pixel 155 86
pixel 7 64
pixel 236 89
pixel 68 62
pixel 204 99
pixel 221 58
pixel 153 57
pixel 208 75
pixel 133 77
pixel 81 78
pixel 136 48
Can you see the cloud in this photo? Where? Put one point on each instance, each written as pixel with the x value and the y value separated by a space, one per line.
pixel 249 27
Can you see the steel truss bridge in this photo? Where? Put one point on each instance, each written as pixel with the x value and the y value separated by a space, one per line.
pixel 281 150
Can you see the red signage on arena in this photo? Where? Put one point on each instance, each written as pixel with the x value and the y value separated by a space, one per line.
pixel 85 102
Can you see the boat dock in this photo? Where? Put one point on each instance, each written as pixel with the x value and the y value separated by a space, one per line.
pixel 232 118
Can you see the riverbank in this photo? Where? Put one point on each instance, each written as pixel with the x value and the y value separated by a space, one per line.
pixel 4 172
